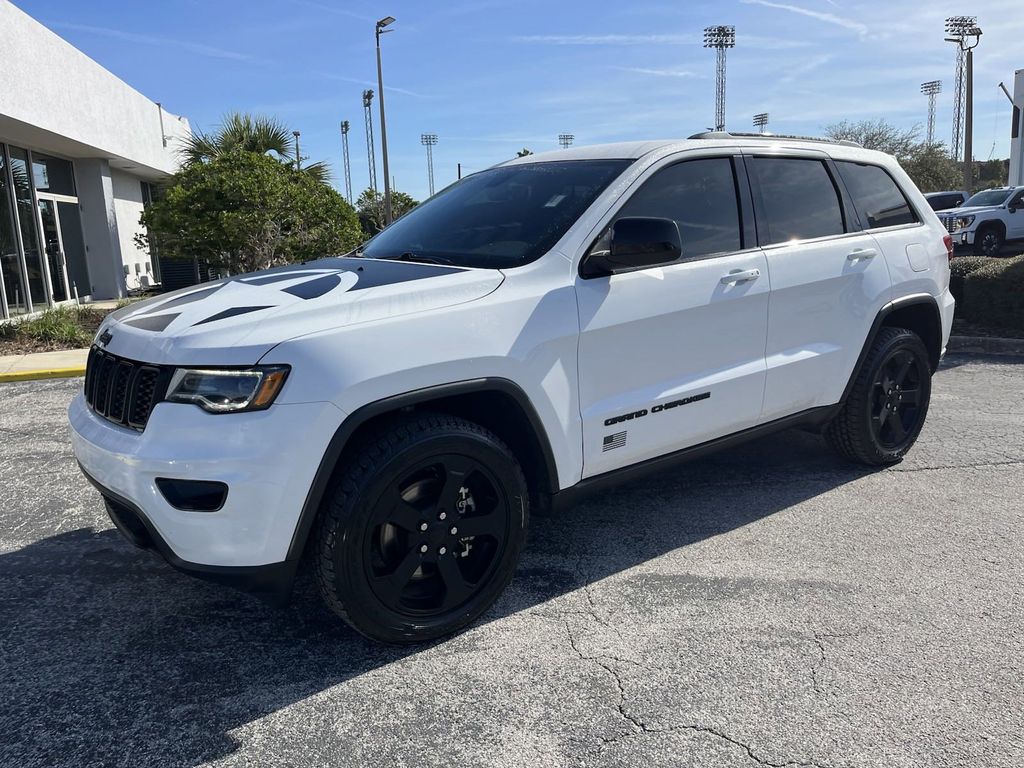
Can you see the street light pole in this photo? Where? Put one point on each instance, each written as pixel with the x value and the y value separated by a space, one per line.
pixel 381 29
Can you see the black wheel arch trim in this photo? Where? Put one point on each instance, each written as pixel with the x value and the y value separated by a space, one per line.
pixel 393 403
pixel 879 321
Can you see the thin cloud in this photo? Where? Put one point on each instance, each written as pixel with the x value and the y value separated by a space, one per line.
pixel 165 42
pixel 682 73
pixel 607 39
pixel 805 68
pixel 368 84
pixel 331 9
pixel 829 18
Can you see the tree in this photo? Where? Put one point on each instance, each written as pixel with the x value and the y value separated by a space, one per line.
pixel 524 152
pixel 929 165
pixel 877 134
pixel 245 211
pixel 258 134
pixel 370 207
pixel 932 169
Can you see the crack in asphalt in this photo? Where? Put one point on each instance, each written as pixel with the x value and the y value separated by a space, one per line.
pixel 639 727
pixel 946 467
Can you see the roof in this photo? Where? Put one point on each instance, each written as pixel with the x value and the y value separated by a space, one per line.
pixel 632 150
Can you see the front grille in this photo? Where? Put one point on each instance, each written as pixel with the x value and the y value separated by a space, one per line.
pixel 950 223
pixel 123 391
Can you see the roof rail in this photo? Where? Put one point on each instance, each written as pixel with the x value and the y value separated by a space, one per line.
pixel 731 135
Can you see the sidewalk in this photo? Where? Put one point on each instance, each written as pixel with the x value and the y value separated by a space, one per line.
pixel 43 365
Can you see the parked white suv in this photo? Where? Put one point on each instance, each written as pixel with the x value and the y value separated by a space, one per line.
pixel 538 330
pixel 987 220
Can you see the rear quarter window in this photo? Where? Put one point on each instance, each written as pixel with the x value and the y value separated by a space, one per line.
pixel 877 197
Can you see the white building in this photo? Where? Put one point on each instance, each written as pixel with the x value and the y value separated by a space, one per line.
pixel 79 149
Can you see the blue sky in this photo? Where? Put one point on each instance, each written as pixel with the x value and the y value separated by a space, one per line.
pixel 492 76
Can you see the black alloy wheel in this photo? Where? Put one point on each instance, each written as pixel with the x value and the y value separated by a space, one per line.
pixel 423 529
pixel 888 401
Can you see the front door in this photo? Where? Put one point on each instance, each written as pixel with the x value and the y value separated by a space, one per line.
pixel 673 356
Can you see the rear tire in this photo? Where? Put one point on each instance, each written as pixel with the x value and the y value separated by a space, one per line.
pixel 423 529
pixel 887 406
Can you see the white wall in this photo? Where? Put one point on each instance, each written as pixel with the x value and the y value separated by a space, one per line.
pixel 127 210
pixel 1017 142
pixel 48 85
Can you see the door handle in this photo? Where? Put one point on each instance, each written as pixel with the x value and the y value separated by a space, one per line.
pixel 740 276
pixel 861 253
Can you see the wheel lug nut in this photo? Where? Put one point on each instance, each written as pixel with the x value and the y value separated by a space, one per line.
pixel 442 516
pixel 423 526
pixel 424 548
pixel 442 550
pixel 454 530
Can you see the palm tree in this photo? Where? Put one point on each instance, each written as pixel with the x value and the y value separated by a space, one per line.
pixel 248 133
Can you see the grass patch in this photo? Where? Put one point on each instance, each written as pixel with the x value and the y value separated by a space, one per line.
pixel 69 327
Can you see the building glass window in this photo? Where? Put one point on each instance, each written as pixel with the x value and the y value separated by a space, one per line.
pixel 10 259
pixel 53 175
pixel 27 220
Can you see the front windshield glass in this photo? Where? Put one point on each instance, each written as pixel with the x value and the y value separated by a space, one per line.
pixel 988 197
pixel 501 217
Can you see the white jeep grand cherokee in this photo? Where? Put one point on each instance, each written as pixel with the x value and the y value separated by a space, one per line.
pixel 540 329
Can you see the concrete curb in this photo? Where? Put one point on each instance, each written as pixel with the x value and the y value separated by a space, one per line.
pixel 985 345
pixel 44 373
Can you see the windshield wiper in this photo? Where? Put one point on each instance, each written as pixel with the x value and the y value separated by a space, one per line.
pixel 420 258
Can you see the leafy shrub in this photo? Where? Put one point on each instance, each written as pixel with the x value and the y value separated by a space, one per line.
pixel 994 294
pixel 59 328
pixel 960 267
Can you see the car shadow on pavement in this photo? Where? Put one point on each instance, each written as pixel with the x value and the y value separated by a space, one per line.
pixel 109 657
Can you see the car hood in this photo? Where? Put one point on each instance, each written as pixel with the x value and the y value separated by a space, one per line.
pixel 974 210
pixel 238 320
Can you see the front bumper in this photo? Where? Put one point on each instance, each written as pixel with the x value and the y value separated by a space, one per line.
pixel 266 458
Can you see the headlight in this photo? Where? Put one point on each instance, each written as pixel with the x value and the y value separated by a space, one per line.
pixel 227 390
pixel 962 222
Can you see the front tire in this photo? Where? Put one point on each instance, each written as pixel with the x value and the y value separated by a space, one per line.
pixel 886 408
pixel 423 529
pixel 989 241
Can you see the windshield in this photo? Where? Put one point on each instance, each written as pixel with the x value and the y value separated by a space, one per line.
pixel 501 217
pixel 988 197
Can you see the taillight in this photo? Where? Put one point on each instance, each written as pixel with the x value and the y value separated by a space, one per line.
pixel 948 242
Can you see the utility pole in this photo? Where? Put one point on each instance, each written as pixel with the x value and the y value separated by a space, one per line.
pixel 298 157
pixel 381 29
pixel 760 121
pixel 345 161
pixel 720 38
pixel 931 89
pixel 966 34
pixel 429 140
pixel 370 153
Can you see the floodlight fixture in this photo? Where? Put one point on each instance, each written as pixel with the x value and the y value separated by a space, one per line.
pixel 565 140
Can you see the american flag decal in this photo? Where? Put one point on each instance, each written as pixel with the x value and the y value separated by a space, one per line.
pixel 614 441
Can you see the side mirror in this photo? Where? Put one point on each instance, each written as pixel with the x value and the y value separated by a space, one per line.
pixel 636 243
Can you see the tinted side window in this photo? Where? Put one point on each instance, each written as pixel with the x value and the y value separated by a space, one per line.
pixel 798 199
pixel 876 195
pixel 700 195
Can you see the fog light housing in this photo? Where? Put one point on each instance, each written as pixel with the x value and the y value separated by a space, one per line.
pixel 193 495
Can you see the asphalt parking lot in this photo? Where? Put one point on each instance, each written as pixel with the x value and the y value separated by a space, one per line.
pixel 767 606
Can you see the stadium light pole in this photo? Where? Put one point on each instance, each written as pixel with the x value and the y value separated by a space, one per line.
pixel 380 30
pixel 429 140
pixel 931 89
pixel 565 140
pixel 760 121
pixel 371 162
pixel 344 153
pixel 720 38
pixel 966 34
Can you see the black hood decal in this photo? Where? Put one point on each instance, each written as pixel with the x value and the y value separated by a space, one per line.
pixel 311 280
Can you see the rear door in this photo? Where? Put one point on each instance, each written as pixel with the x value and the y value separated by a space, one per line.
pixel 828 279
pixel 674 356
